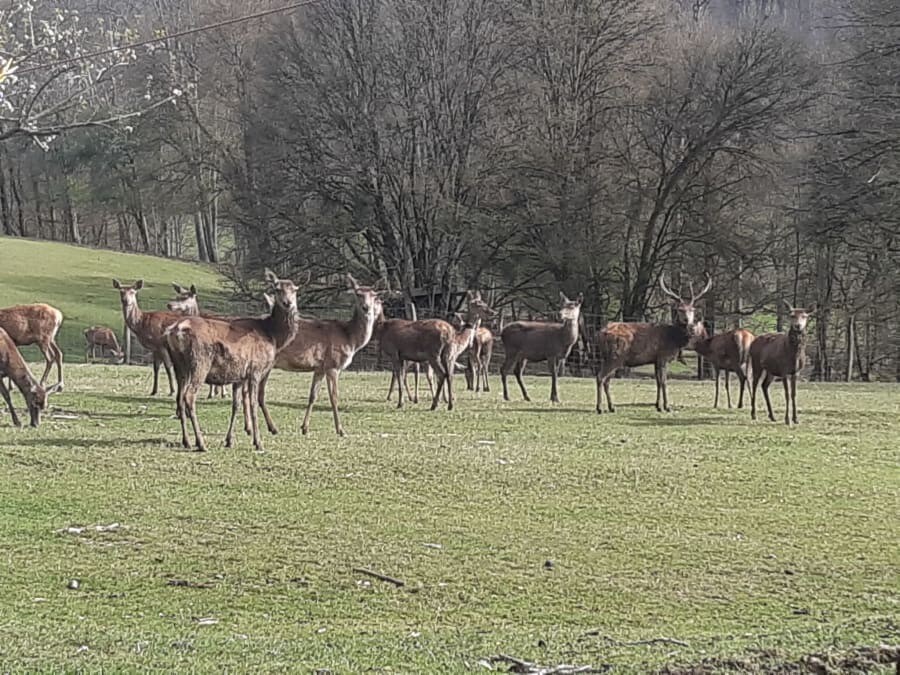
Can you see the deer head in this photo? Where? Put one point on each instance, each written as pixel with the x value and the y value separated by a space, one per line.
pixel 798 318
pixel 283 291
pixel 685 311
pixel 478 308
pixel 368 302
pixel 36 400
pixel 186 302
pixel 571 309
pixel 128 294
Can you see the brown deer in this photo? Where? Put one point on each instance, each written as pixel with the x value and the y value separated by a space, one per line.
pixel 780 355
pixel 36 324
pixel 240 352
pixel 325 348
pixel 482 345
pixel 539 341
pixel 729 352
pixel 104 338
pixel 629 344
pixel 149 328
pixel 427 340
pixel 13 366
pixel 477 311
pixel 186 303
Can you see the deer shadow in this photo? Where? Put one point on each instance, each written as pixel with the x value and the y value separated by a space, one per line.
pixel 88 442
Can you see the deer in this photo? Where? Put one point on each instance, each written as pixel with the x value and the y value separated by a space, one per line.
pixel 729 352
pixel 13 366
pixel 240 352
pixel 36 324
pixel 149 328
pixel 539 341
pixel 186 303
pixel 326 347
pixel 780 355
pixel 477 311
pixel 482 346
pixel 104 338
pixel 632 344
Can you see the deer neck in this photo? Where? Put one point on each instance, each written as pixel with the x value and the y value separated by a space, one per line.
pixel 283 326
pixel 570 330
pixel 133 316
pixel 362 327
pixel 796 338
pixel 682 334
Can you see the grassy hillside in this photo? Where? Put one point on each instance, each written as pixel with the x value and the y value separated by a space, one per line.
pixel 78 281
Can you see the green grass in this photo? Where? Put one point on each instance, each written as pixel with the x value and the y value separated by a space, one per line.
pixel 78 281
pixel 699 526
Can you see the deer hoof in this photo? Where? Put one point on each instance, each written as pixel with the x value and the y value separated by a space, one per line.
pixel 340 432
pixel 273 430
pixel 228 442
pixel 304 430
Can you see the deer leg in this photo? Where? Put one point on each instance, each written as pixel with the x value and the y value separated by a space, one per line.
pixel 664 386
pixel 742 377
pixel 765 389
pixel 332 376
pixel 87 354
pixel 794 398
pixel 441 377
pixel 727 388
pixel 167 364
pixel 554 376
pixel 504 371
pixel 4 392
pixel 599 394
pixel 48 359
pixel 609 403
pixel 485 366
pixel 656 375
pixel 716 378
pixel 313 393
pixel 254 420
pixel 753 395
pixel 245 402
pixel 155 375
pixel 449 364
pixel 237 397
pixel 520 368
pixel 58 357
pixel 190 407
pixel 472 382
pixel 787 400
pixel 399 374
pixel 265 409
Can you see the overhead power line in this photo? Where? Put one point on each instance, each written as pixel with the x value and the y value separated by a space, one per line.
pixel 170 36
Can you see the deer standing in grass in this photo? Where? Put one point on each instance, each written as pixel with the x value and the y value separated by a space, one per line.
pixel 186 303
pixel 780 355
pixel 729 352
pixel 36 324
pixel 631 344
pixel 104 338
pixel 482 345
pixel 538 341
pixel 468 328
pixel 240 352
pixel 148 328
pixel 326 347
pixel 13 366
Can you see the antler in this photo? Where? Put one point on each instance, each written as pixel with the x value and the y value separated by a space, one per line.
pixel 695 298
pixel 666 290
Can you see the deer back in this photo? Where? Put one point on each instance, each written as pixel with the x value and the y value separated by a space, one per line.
pixel 415 340
pixel 30 324
pixel 539 340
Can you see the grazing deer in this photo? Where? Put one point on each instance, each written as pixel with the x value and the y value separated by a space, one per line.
pixel 186 303
pixel 538 341
pixel 482 345
pixel 104 338
pixel 240 352
pixel 628 344
pixel 36 324
pixel 149 328
pixel 780 355
pixel 728 351
pixel 13 366
pixel 325 348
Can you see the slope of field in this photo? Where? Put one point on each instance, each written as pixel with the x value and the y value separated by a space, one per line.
pixel 548 533
pixel 78 281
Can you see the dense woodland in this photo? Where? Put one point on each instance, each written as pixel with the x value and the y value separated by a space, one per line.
pixel 518 146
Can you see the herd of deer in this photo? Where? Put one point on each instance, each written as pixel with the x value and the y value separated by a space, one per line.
pixel 205 348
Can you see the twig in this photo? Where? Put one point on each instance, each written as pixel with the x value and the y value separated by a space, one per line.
pixel 382 577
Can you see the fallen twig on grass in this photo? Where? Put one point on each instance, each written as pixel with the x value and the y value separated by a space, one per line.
pixel 636 643
pixel 184 583
pixel 528 668
pixel 382 577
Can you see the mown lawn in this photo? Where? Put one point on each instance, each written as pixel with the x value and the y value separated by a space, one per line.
pixel 726 536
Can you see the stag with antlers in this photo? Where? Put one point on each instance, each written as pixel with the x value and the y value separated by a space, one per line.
pixel 782 356
pixel 630 344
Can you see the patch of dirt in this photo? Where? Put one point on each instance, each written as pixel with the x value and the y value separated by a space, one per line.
pixel 857 661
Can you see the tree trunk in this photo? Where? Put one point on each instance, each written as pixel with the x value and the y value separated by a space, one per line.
pixel 850 348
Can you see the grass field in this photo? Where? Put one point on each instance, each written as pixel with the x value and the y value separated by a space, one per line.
pixel 78 281
pixel 733 540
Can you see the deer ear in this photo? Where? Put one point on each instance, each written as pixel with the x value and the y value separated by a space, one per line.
pixel 116 284
pixel 139 284
pixel 193 289
pixel 270 276
pixel 580 298
pixel 351 282
pixel 789 306
pixel 179 288
pixel 269 300
pixel 562 297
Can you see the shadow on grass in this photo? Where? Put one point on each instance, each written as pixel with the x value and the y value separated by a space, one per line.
pixel 89 443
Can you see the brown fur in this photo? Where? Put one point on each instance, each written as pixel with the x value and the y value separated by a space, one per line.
pixel 482 344
pixel 103 337
pixel 782 356
pixel 631 344
pixel 240 352
pixel 186 303
pixel 149 328
pixel 729 352
pixel 13 366
pixel 538 341
pixel 325 348
pixel 36 324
